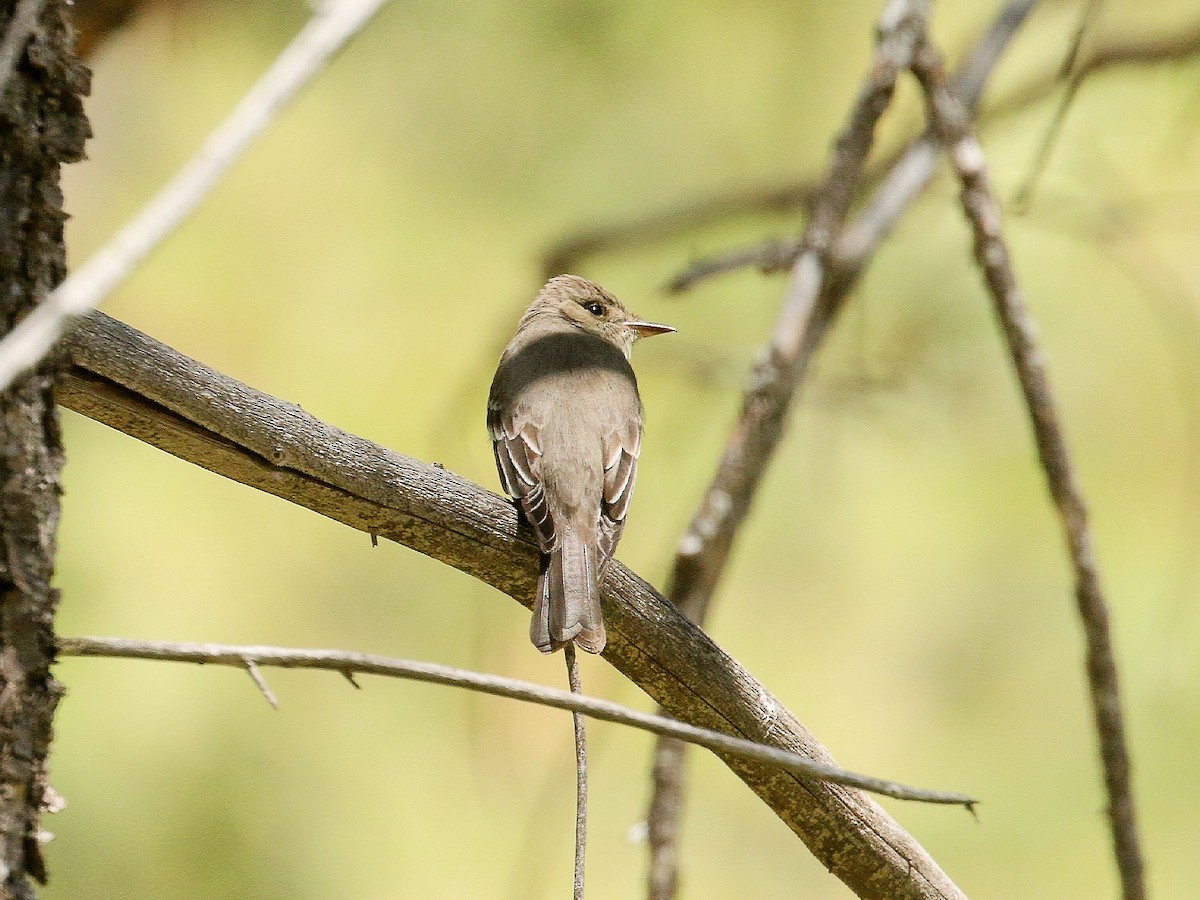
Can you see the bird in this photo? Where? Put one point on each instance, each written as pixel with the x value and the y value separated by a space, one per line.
pixel 565 420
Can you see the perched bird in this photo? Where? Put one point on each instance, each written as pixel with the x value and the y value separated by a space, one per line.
pixel 566 425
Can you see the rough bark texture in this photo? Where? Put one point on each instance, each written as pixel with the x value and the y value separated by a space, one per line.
pixel 41 126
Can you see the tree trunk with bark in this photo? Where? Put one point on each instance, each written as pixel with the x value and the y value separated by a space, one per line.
pixel 42 126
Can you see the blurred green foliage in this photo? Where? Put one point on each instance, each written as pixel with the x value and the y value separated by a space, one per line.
pixel 901 584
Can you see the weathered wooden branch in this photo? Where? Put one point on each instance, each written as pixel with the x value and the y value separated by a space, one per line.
pixel 141 387
pixel 982 211
pixel 809 307
pixel 326 32
pixel 572 251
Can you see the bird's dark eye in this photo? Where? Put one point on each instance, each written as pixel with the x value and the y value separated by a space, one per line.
pixel 595 309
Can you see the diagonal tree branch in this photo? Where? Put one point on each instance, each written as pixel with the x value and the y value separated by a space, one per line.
pixel 898 180
pixel 569 252
pixel 1116 53
pixel 705 547
pixel 326 32
pixel 991 251
pixel 808 308
pixel 349 664
pixel 1073 79
pixel 135 384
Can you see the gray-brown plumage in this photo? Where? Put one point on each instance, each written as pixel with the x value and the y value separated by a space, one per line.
pixel 566 425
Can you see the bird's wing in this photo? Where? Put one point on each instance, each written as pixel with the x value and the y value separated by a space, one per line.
pixel 621 448
pixel 517 446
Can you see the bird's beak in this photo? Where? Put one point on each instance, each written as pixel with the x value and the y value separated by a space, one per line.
pixel 648 329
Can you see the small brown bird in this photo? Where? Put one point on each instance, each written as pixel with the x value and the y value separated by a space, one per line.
pixel 566 424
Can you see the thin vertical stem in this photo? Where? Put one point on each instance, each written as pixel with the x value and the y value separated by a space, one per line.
pixel 581 782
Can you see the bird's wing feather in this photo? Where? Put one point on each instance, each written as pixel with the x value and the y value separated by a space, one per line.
pixel 622 446
pixel 517 446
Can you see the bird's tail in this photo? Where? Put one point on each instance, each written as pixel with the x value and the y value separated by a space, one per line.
pixel 567 604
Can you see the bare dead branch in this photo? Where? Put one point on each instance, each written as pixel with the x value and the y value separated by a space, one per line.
pixel 808 308
pixel 991 252
pixel 1115 53
pixel 898 179
pixel 905 174
pixel 261 683
pixel 767 256
pixel 568 253
pixel 1073 78
pixel 663 816
pixel 326 32
pixel 143 388
pixel 252 657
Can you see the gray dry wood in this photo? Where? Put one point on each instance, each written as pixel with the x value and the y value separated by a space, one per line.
pixel 139 386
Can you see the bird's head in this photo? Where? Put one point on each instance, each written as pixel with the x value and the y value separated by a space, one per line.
pixel 590 308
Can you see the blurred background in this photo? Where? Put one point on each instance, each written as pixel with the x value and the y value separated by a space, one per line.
pixel 901 584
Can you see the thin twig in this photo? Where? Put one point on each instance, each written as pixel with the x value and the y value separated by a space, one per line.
pixel 1023 195
pixel 569 253
pixel 240 656
pixel 982 211
pixel 20 29
pixel 768 256
pixel 566 254
pixel 1074 78
pixel 326 32
pixel 581 775
pixel 1142 50
pixel 261 683
pixel 1088 17
pixel 899 178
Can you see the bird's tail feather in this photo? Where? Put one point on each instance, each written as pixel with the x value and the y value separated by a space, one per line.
pixel 567 604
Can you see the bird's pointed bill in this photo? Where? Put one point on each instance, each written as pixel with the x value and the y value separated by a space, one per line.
pixel 649 329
